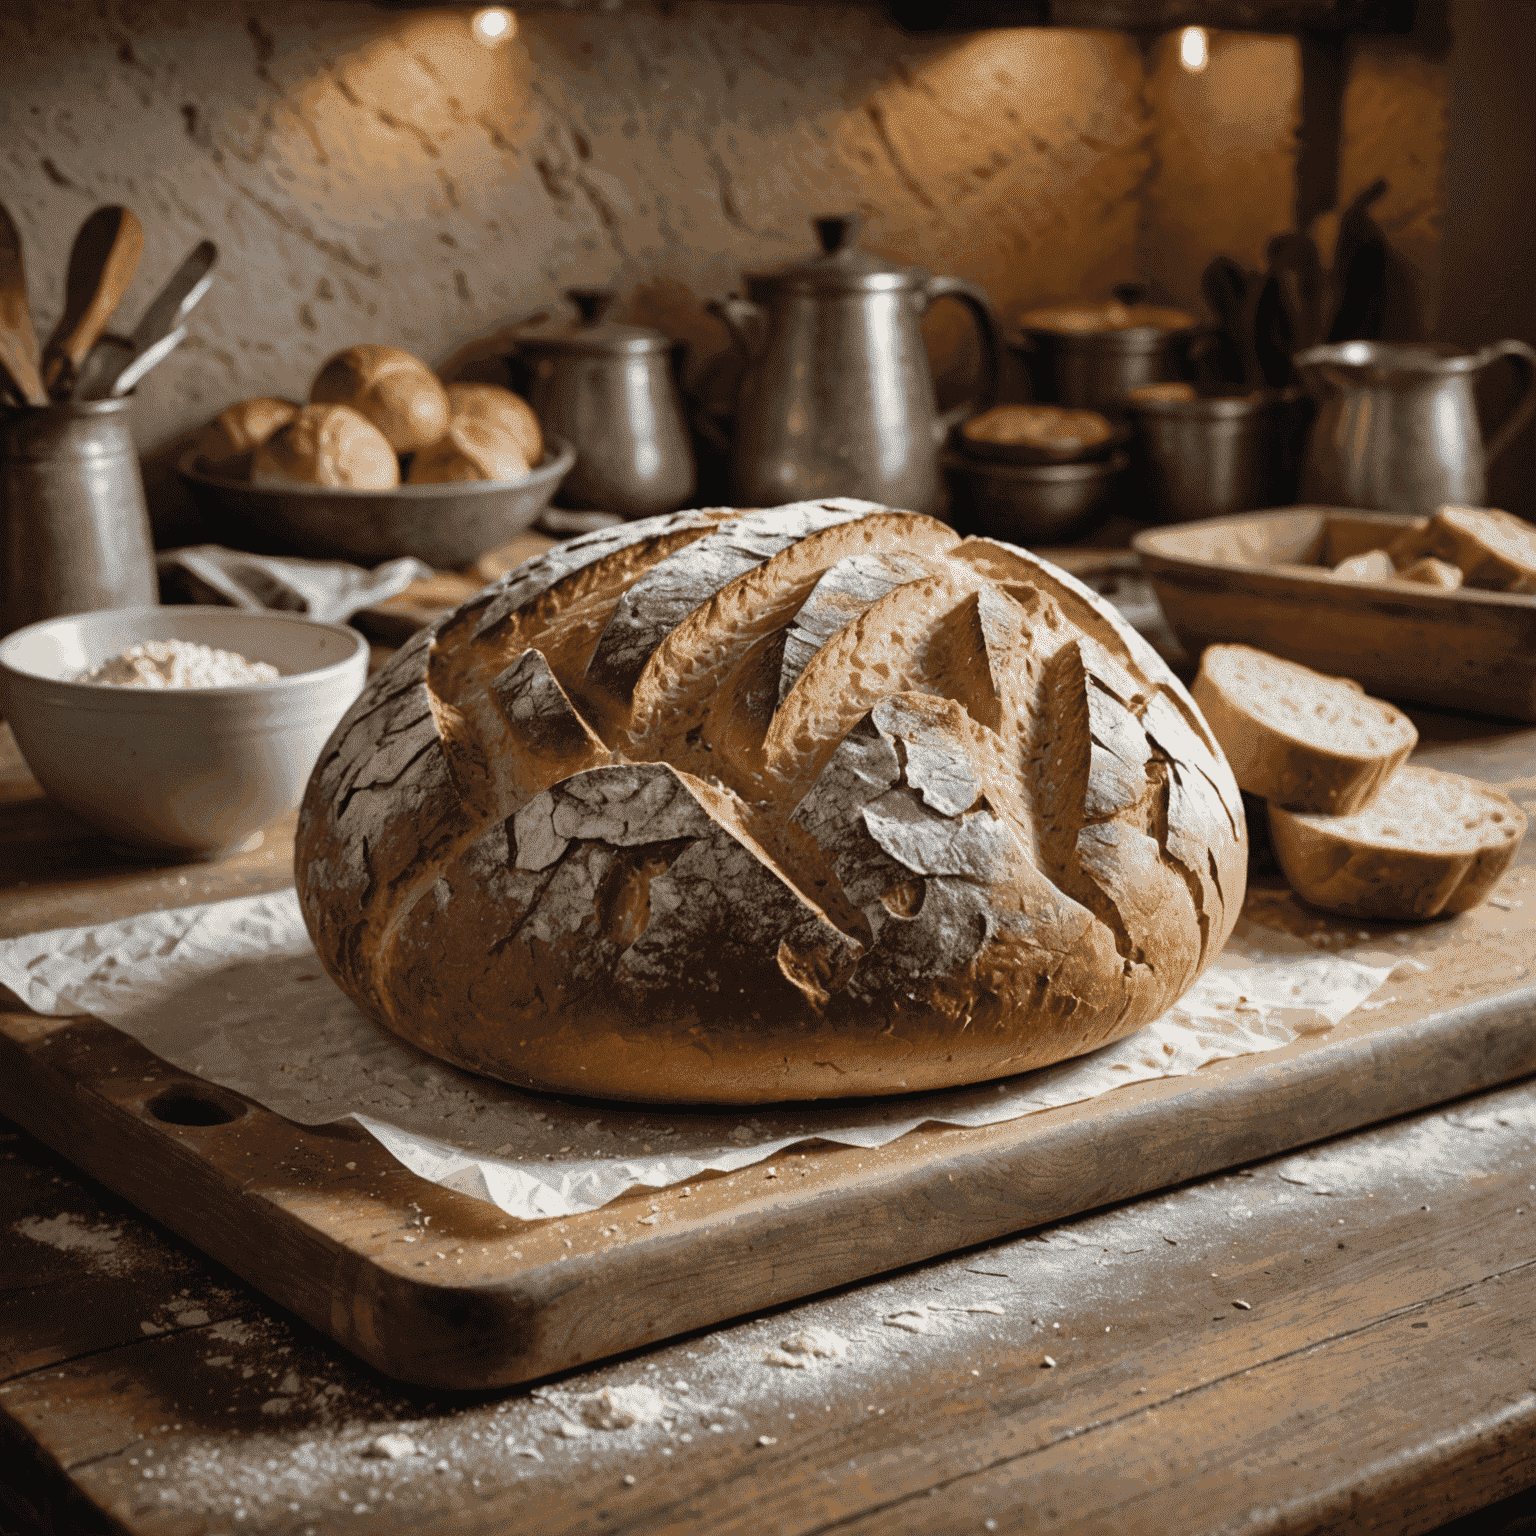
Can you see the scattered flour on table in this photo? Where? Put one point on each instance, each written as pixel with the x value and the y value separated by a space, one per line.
pixel 73 1234
pixel 802 1350
pixel 178 664
pixel 622 1407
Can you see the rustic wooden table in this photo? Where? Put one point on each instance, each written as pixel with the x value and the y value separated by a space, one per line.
pixel 1339 1339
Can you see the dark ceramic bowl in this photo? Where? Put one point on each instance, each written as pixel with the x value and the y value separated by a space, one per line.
pixel 445 525
pixel 1035 505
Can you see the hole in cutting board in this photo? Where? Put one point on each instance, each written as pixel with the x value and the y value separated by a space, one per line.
pixel 192 1106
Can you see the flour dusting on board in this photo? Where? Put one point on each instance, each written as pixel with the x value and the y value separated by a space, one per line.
pixel 73 1234
pixel 233 993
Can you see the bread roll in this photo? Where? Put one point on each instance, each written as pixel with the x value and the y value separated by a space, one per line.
pixel 739 807
pixel 1430 844
pixel 227 442
pixel 1297 737
pixel 398 393
pixel 499 408
pixel 327 445
pixel 471 449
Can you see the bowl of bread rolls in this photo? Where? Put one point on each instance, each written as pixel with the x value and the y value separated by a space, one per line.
pixel 383 460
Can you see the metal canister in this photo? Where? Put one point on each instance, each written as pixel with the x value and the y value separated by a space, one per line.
pixel 74 527
pixel 1212 457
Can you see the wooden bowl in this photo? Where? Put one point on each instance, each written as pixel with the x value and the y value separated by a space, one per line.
pixel 1263 579
pixel 445 525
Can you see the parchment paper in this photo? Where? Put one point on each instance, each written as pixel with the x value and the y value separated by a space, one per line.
pixel 234 993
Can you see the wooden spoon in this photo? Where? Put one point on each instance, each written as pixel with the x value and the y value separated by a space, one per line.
pixel 101 266
pixel 18 341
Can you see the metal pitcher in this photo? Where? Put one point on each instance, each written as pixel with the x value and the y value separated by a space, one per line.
pixel 1397 428
pixel 838 398
pixel 75 528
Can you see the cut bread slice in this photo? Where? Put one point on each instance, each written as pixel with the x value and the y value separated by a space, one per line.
pixel 1297 737
pixel 1495 550
pixel 1431 844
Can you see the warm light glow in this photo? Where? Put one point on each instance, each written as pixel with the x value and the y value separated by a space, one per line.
pixel 494 25
pixel 1194 50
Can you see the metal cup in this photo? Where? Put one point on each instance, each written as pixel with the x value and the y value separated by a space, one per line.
pixel 1211 458
pixel 74 527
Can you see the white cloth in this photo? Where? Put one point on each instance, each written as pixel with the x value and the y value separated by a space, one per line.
pixel 234 993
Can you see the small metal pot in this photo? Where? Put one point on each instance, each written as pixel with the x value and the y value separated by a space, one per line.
pixel 75 526
pixel 1031 504
pixel 1098 369
pixel 1212 457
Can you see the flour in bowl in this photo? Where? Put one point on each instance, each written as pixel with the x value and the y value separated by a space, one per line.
pixel 178 664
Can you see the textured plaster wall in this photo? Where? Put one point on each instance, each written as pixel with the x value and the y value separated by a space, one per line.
pixel 1224 142
pixel 381 176
pixel 378 175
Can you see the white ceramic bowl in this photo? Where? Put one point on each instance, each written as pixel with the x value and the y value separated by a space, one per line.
pixel 179 773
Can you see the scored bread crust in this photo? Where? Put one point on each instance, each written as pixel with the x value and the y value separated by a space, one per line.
pixel 1296 737
pixel 1431 844
pixel 740 807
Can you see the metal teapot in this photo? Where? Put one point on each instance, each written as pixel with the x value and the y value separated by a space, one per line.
pixel 1397 427
pixel 838 398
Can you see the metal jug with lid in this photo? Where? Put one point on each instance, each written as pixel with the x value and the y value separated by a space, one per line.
pixel 1397 428
pixel 838 397
pixel 610 390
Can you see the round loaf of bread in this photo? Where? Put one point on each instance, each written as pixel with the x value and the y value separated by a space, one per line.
pixel 227 442
pixel 398 393
pixel 500 410
pixel 734 807
pixel 327 445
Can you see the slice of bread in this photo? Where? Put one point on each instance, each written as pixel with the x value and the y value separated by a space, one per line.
pixel 1430 844
pixel 1297 737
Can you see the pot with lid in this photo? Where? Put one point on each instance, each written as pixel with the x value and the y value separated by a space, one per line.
pixel 1094 355
pixel 838 397
pixel 611 391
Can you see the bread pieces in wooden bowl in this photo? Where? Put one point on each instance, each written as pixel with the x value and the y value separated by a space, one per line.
pixel 1296 737
pixel 1356 831
pixel 737 807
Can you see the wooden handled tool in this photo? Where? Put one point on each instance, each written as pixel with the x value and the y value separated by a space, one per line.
pixel 19 355
pixel 101 266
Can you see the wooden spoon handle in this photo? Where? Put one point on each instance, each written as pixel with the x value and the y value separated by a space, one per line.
pixel 21 370
pixel 101 266
pixel 15 315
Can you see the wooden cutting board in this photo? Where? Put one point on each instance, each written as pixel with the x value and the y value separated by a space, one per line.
pixel 445 1290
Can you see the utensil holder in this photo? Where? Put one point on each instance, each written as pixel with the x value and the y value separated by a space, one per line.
pixel 74 527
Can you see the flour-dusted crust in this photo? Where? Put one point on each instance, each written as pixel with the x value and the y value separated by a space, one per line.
pixel 739 807
pixel 1300 738
pixel 1431 844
